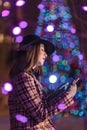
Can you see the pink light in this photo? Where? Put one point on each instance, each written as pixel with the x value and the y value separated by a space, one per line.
pixel 16 30
pixel 73 30
pixel 23 24
pixel 5 13
pixel 84 8
pixel 20 3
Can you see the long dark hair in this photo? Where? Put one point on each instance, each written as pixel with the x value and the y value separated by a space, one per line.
pixel 25 61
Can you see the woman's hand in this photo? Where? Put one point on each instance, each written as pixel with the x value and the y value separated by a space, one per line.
pixel 75 81
pixel 73 89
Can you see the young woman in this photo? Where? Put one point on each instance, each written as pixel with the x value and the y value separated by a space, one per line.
pixel 29 107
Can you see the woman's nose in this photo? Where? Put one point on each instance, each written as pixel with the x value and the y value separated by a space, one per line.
pixel 45 54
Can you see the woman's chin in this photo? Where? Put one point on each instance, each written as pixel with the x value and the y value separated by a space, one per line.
pixel 41 64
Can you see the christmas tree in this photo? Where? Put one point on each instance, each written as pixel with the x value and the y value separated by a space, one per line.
pixel 67 62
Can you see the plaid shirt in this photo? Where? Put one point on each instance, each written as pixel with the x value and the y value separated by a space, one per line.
pixel 28 101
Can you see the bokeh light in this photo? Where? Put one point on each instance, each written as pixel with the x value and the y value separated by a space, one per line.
pixel 23 24
pixel 21 118
pixel 52 78
pixel 84 8
pixel 8 86
pixel 4 91
pixel 73 30
pixel 19 39
pixel 7 4
pixel 55 58
pixel 40 6
pixel 50 28
pixel 16 30
pixel 20 3
pixel 5 13
pixel 61 106
pixel 80 56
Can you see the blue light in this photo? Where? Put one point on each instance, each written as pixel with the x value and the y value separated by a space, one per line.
pixel 63 79
pixel 75 112
pixel 67 67
pixel 81 113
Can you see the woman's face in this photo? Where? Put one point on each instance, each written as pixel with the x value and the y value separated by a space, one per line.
pixel 42 55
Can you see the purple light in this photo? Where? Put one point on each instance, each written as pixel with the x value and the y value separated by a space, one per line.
pixel 61 106
pixel 23 24
pixel 8 87
pixel 20 3
pixel 67 67
pixel 4 91
pixel 55 58
pixel 50 28
pixel 73 30
pixel 19 39
pixel 40 6
pixel 80 57
pixel 21 118
pixel 5 13
pixel 84 8
pixel 16 30
pixel 72 45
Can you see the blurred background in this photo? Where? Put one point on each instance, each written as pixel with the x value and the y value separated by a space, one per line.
pixel 65 23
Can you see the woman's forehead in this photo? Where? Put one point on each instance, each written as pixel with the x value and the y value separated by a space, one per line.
pixel 41 45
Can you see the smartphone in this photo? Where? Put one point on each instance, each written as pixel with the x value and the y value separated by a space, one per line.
pixel 67 85
pixel 75 81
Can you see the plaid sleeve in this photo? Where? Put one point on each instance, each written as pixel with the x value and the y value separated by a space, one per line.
pixel 29 96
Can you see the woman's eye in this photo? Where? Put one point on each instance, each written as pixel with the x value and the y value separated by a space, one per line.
pixel 42 49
